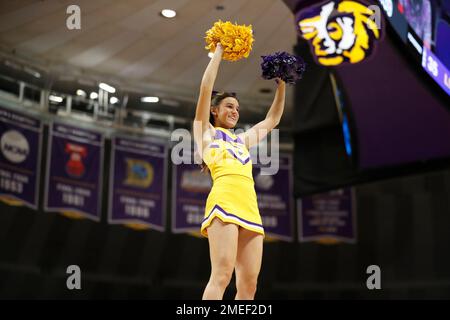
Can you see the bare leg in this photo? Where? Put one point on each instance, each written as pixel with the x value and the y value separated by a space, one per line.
pixel 223 240
pixel 248 263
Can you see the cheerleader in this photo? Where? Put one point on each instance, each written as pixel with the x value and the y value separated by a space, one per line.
pixel 232 222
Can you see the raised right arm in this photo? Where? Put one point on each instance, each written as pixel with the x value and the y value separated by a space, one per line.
pixel 201 126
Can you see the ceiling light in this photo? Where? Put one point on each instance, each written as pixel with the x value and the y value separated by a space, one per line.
pixel 168 13
pixel 150 99
pixel 107 87
pixel 81 93
pixel 55 98
pixel 93 95
pixel 34 73
pixel 113 100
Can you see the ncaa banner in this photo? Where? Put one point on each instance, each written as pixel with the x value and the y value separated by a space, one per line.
pixel 190 189
pixel 20 158
pixel 328 218
pixel 138 183
pixel 74 172
pixel 275 199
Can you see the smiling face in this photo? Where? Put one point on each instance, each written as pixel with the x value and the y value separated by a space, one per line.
pixel 226 114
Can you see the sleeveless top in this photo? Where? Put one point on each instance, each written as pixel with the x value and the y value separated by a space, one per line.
pixel 228 155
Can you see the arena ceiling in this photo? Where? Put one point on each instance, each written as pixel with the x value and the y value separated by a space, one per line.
pixel 128 44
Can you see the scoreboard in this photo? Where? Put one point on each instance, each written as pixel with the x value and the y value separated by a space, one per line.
pixel 423 26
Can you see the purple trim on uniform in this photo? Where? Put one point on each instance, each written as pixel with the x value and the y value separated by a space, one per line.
pixel 237 158
pixel 214 146
pixel 231 215
pixel 223 136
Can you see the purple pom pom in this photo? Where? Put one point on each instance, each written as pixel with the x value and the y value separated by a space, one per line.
pixel 283 65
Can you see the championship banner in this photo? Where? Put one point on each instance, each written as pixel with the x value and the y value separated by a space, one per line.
pixel 328 218
pixel 74 172
pixel 190 189
pixel 137 194
pixel 275 199
pixel 20 158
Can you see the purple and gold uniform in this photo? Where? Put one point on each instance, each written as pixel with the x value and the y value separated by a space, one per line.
pixel 232 198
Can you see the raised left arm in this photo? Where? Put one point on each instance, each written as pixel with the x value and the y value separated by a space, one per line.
pixel 260 130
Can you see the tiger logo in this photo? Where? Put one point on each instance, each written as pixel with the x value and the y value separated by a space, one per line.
pixel 339 31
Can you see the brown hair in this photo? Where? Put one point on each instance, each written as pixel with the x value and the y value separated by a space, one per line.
pixel 217 97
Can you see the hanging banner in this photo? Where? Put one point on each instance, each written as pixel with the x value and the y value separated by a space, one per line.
pixel 74 172
pixel 328 218
pixel 137 195
pixel 275 199
pixel 20 158
pixel 190 189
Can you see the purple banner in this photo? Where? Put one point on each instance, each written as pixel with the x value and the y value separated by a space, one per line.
pixel 275 199
pixel 327 217
pixel 20 158
pixel 74 171
pixel 190 189
pixel 138 183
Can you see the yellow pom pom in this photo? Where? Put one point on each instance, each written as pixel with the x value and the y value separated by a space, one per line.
pixel 236 39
